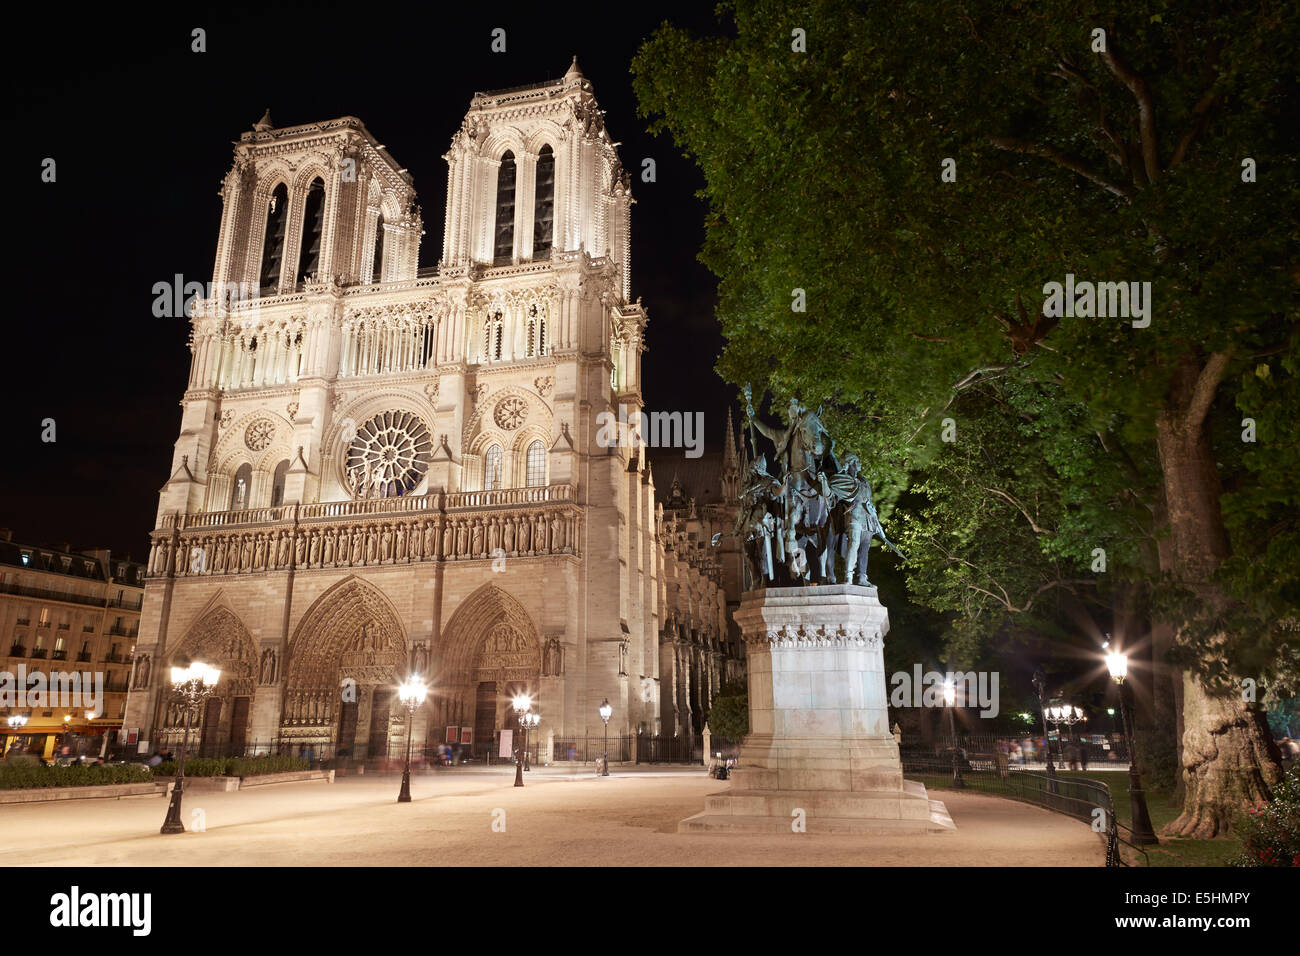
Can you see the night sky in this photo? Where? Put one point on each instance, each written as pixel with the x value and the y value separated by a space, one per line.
pixel 141 129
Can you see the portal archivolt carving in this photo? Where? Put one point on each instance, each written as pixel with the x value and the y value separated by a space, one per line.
pixel 491 637
pixel 219 638
pixel 351 633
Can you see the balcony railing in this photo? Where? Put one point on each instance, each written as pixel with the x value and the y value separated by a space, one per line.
pixel 118 631
pixel 89 628
pixel 129 603
pixel 17 650
pixel 39 653
pixel 64 627
pixel 113 658
pixel 23 621
pixel 48 595
pixel 406 504
pixel 83 656
pixel 59 655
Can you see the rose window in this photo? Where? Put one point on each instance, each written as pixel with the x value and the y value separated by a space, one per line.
pixel 510 412
pixel 388 457
pixel 259 434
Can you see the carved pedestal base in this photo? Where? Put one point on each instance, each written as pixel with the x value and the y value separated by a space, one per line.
pixel 819 756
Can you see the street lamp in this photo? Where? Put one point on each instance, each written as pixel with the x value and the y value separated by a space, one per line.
pixel 16 724
pixel 1064 715
pixel 411 694
pixel 1040 688
pixel 606 712
pixel 950 698
pixel 528 721
pixel 522 703
pixel 1143 833
pixel 192 684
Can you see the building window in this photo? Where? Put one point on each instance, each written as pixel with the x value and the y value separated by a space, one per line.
pixel 239 491
pixel 277 211
pixel 45 618
pixel 536 331
pixel 377 266
pixel 544 203
pixel 492 469
pixel 493 337
pixel 505 231
pixel 277 487
pixel 536 464
pixel 313 226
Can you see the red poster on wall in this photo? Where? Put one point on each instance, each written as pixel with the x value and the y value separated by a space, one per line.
pixel 467 735
pixel 453 734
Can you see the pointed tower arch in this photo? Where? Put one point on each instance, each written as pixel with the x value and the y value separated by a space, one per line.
pixel 492 651
pixel 217 637
pixel 346 655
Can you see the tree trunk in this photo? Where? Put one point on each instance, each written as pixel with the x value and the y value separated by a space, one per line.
pixel 1227 763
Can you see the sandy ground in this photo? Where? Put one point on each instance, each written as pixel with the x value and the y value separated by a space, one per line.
pixel 560 818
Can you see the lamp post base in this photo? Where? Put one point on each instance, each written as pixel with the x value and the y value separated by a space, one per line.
pixel 1143 833
pixel 173 822
pixel 404 796
pixel 519 771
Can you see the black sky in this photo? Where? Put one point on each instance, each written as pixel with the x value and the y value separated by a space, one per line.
pixel 141 129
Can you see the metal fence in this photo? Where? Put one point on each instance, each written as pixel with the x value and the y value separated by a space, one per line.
pixel 1031 748
pixel 1071 796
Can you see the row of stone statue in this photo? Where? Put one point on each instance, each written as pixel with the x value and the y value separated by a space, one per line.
pixel 805 510
pixel 481 536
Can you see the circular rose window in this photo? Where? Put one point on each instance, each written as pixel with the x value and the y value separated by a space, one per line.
pixel 259 434
pixel 388 457
pixel 511 412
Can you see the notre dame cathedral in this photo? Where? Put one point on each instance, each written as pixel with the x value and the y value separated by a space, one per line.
pixel 385 470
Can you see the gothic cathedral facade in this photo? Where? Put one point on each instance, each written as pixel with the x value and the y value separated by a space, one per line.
pixel 384 470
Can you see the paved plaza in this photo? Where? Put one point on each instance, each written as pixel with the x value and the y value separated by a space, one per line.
pixel 562 817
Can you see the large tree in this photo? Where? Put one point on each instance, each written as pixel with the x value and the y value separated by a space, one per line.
pixel 1090 140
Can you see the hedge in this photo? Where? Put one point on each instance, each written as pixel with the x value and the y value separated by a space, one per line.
pixel 232 766
pixel 24 776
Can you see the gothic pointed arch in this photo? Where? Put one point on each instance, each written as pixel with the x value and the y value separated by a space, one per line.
pixel 352 630
pixel 218 637
pixel 490 637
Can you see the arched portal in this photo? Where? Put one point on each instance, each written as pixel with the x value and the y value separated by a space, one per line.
pixel 491 652
pixel 346 657
pixel 220 639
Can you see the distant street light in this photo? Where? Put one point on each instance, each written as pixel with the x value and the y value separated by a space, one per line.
pixel 16 724
pixel 1143 833
pixel 1040 688
pixel 411 694
pixel 606 712
pixel 529 721
pixel 192 684
pixel 521 705
pixel 950 698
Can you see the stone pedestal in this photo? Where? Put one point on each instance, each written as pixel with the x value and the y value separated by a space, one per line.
pixel 819 739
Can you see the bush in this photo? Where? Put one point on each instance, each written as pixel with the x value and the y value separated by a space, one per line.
pixel 1270 835
pixel 28 776
pixel 729 716
pixel 252 766
pixel 232 766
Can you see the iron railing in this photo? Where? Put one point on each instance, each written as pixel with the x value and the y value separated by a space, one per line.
pixel 1071 796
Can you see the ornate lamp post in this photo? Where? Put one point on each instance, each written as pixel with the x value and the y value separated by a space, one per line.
pixel 192 684
pixel 1064 715
pixel 528 721
pixel 950 698
pixel 521 705
pixel 606 712
pixel 1143 833
pixel 16 723
pixel 411 694
pixel 1040 688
